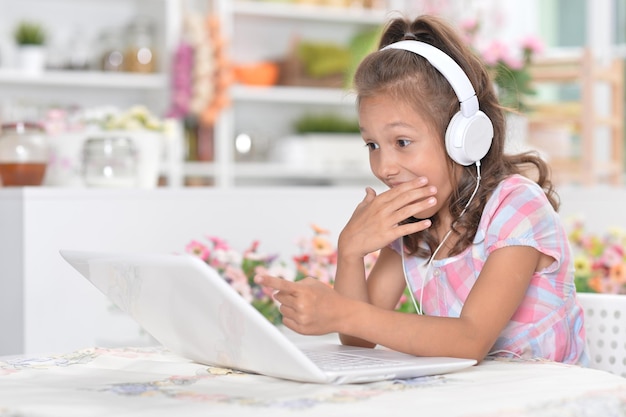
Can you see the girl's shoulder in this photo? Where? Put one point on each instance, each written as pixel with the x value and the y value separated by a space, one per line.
pixel 518 198
pixel 517 189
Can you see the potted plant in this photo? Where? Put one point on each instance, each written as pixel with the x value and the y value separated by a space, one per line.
pixel 324 142
pixel 30 38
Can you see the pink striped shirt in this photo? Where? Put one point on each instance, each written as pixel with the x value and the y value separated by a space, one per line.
pixel 549 322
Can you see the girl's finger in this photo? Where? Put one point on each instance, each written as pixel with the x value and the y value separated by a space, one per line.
pixel 277 284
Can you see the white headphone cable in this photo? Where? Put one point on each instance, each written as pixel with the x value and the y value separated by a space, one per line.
pixel 432 257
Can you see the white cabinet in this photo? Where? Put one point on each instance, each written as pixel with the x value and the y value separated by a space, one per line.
pixel 257 31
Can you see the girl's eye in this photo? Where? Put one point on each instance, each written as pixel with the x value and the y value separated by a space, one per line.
pixel 403 143
pixel 371 146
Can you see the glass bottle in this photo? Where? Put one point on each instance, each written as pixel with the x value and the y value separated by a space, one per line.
pixel 23 154
pixel 140 55
pixel 112 56
pixel 79 50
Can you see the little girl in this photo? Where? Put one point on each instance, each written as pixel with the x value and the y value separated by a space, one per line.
pixel 478 242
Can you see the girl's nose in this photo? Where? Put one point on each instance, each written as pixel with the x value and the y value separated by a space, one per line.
pixel 384 165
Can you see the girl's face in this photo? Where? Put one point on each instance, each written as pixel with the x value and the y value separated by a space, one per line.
pixel 402 147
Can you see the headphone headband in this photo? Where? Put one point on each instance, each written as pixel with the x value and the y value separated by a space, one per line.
pixel 470 131
pixel 448 68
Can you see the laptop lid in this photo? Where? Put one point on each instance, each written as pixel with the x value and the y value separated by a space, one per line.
pixel 186 306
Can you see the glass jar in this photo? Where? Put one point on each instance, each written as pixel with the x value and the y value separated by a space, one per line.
pixel 112 56
pixel 23 154
pixel 79 50
pixel 110 162
pixel 140 55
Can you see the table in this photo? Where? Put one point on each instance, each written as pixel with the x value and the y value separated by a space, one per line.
pixel 152 381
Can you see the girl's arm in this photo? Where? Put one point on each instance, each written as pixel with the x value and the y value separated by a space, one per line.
pixel 383 288
pixel 373 225
pixel 311 307
pixel 493 300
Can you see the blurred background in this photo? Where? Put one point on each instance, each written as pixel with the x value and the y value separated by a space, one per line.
pixel 140 125
pixel 228 93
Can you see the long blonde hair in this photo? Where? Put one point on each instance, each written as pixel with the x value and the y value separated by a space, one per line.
pixel 412 79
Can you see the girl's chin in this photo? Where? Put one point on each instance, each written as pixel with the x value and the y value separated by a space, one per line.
pixel 421 216
pixel 426 214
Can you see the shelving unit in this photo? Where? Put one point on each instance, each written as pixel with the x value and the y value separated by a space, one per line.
pixel 86 79
pixel 91 18
pixel 292 95
pixel 91 87
pixel 311 12
pixel 263 30
pixel 600 153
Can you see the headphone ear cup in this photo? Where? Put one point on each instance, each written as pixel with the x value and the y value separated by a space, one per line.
pixel 468 139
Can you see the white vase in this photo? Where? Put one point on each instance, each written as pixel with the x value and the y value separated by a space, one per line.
pixel 323 151
pixel 150 148
pixel 31 58
pixel 66 164
pixel 65 159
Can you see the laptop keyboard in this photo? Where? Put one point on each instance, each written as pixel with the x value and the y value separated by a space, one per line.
pixel 339 361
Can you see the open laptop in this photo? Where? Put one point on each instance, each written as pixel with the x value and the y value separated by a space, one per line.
pixel 186 306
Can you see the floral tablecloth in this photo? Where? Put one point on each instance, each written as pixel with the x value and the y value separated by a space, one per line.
pixel 155 382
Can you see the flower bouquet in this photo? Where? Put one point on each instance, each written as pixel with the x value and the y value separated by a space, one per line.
pixel 509 67
pixel 599 260
pixel 239 270
pixel 317 258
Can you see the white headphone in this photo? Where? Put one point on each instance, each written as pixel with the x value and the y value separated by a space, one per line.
pixel 470 131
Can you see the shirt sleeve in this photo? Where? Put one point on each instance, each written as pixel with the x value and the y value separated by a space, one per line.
pixel 521 215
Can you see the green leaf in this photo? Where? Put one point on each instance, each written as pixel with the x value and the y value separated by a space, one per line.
pixel 269 310
pixel 29 33
pixel 582 284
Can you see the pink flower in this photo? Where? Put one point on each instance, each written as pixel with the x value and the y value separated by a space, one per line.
pixel 322 247
pixel 532 44
pixel 196 248
pixel 262 270
pixel 239 282
pixel 370 260
pixel 617 274
pixel 254 246
pixel 513 63
pixel 434 7
pixel 612 255
pixel 604 255
pixel 469 25
pixel 319 230
pixel 280 270
pixel 322 272
pixel 218 243
pixel 494 52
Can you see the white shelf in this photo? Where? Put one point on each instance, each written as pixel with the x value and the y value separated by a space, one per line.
pixel 199 169
pixel 263 170
pixel 296 95
pixel 277 170
pixel 92 79
pixel 310 12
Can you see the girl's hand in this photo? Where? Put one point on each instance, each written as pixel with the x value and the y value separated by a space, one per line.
pixel 375 222
pixel 308 306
